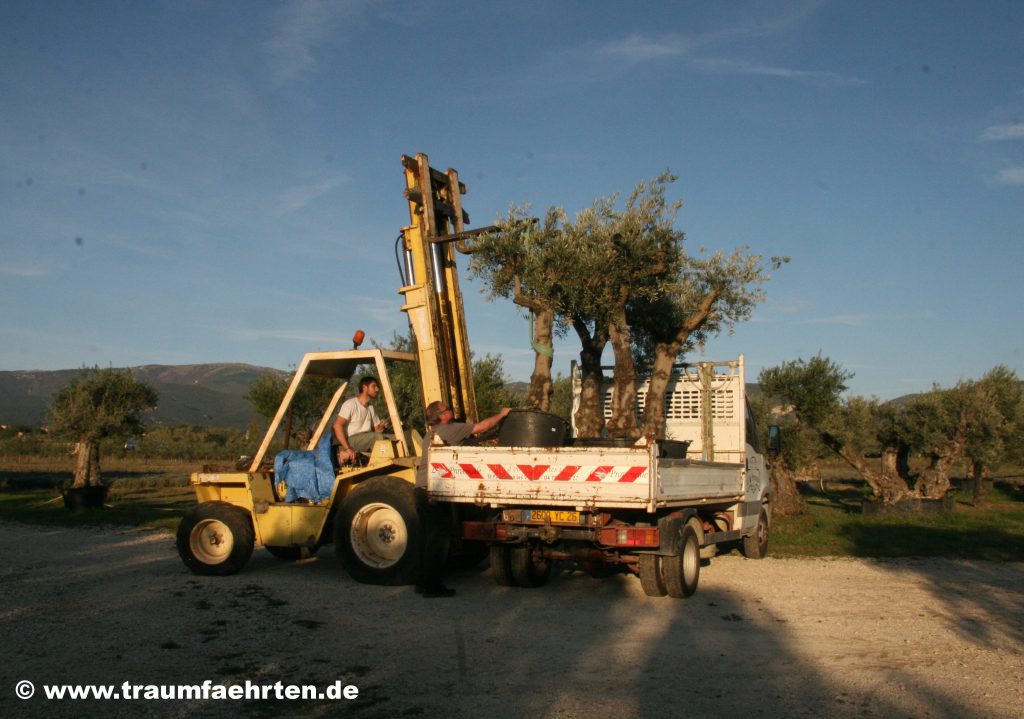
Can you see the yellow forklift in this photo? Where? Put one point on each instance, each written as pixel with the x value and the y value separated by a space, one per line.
pixel 369 510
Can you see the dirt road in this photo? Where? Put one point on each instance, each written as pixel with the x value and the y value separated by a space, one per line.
pixel 772 638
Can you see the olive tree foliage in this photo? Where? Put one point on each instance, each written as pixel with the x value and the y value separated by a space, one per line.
pixel 98 403
pixel 523 262
pixel 710 294
pixel 620 275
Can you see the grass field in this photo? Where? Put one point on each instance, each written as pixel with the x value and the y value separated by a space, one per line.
pixel 155 496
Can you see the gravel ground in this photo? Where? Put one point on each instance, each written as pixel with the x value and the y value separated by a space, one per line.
pixel 773 638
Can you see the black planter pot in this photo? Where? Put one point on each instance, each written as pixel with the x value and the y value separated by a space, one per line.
pixel 531 428
pixel 910 507
pixel 79 499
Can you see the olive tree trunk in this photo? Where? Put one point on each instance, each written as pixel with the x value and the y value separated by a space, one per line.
pixel 540 380
pixel 87 464
pixel 981 482
pixel 623 423
pixel 786 499
pixel 589 416
pixel 933 482
pixel 665 354
pixel 886 487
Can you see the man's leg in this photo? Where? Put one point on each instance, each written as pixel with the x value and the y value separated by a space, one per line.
pixel 363 442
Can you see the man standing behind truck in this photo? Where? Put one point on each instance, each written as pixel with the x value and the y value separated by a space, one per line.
pixel 357 426
pixel 439 417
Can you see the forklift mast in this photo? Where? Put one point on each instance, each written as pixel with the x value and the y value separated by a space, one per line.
pixel 433 301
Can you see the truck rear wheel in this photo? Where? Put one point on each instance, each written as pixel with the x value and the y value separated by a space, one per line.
pixel 501 565
pixel 377 532
pixel 529 570
pixel 755 546
pixel 215 538
pixel 682 571
pixel 651 578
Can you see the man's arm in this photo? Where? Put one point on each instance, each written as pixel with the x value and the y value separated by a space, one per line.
pixel 486 425
pixel 340 429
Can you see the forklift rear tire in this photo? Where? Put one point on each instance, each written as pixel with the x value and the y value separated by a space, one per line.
pixel 378 534
pixel 501 565
pixel 528 570
pixel 682 571
pixel 215 538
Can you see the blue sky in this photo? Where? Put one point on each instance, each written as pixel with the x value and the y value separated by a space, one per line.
pixel 189 182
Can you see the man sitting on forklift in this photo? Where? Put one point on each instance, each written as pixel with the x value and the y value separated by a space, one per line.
pixel 357 426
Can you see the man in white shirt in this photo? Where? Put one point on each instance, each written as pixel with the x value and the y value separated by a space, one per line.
pixel 357 426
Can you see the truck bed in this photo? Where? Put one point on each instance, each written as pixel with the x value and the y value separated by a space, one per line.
pixel 586 478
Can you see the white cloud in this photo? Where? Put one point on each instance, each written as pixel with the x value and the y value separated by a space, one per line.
pixel 1004 132
pixel 308 336
pixel 303 27
pixel 637 48
pixel 26 270
pixel 742 67
pixel 296 198
pixel 1010 176
pixel 850 320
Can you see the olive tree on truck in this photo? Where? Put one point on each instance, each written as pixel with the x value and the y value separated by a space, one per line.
pixel 618 274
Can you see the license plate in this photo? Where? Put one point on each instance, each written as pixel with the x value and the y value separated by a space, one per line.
pixel 555 516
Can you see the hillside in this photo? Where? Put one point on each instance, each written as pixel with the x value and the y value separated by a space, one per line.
pixel 203 394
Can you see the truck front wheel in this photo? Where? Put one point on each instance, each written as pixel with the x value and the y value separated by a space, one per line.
pixel 682 571
pixel 755 546
pixel 215 538
pixel 529 570
pixel 377 532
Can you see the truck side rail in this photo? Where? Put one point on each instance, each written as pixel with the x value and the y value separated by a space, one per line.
pixel 587 478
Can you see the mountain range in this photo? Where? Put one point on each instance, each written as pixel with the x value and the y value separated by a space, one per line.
pixel 209 395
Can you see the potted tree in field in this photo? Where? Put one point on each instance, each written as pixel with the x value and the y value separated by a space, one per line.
pixel 98 403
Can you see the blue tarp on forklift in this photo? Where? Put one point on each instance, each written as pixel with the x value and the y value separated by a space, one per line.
pixel 308 474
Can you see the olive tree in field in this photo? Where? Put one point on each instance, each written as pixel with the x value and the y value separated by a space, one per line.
pixel 976 421
pixel 995 427
pixel 811 390
pixel 797 457
pixel 98 403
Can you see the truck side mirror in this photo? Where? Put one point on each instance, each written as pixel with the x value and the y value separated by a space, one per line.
pixel 774 439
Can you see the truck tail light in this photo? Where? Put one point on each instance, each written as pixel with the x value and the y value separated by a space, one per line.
pixel 629 536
